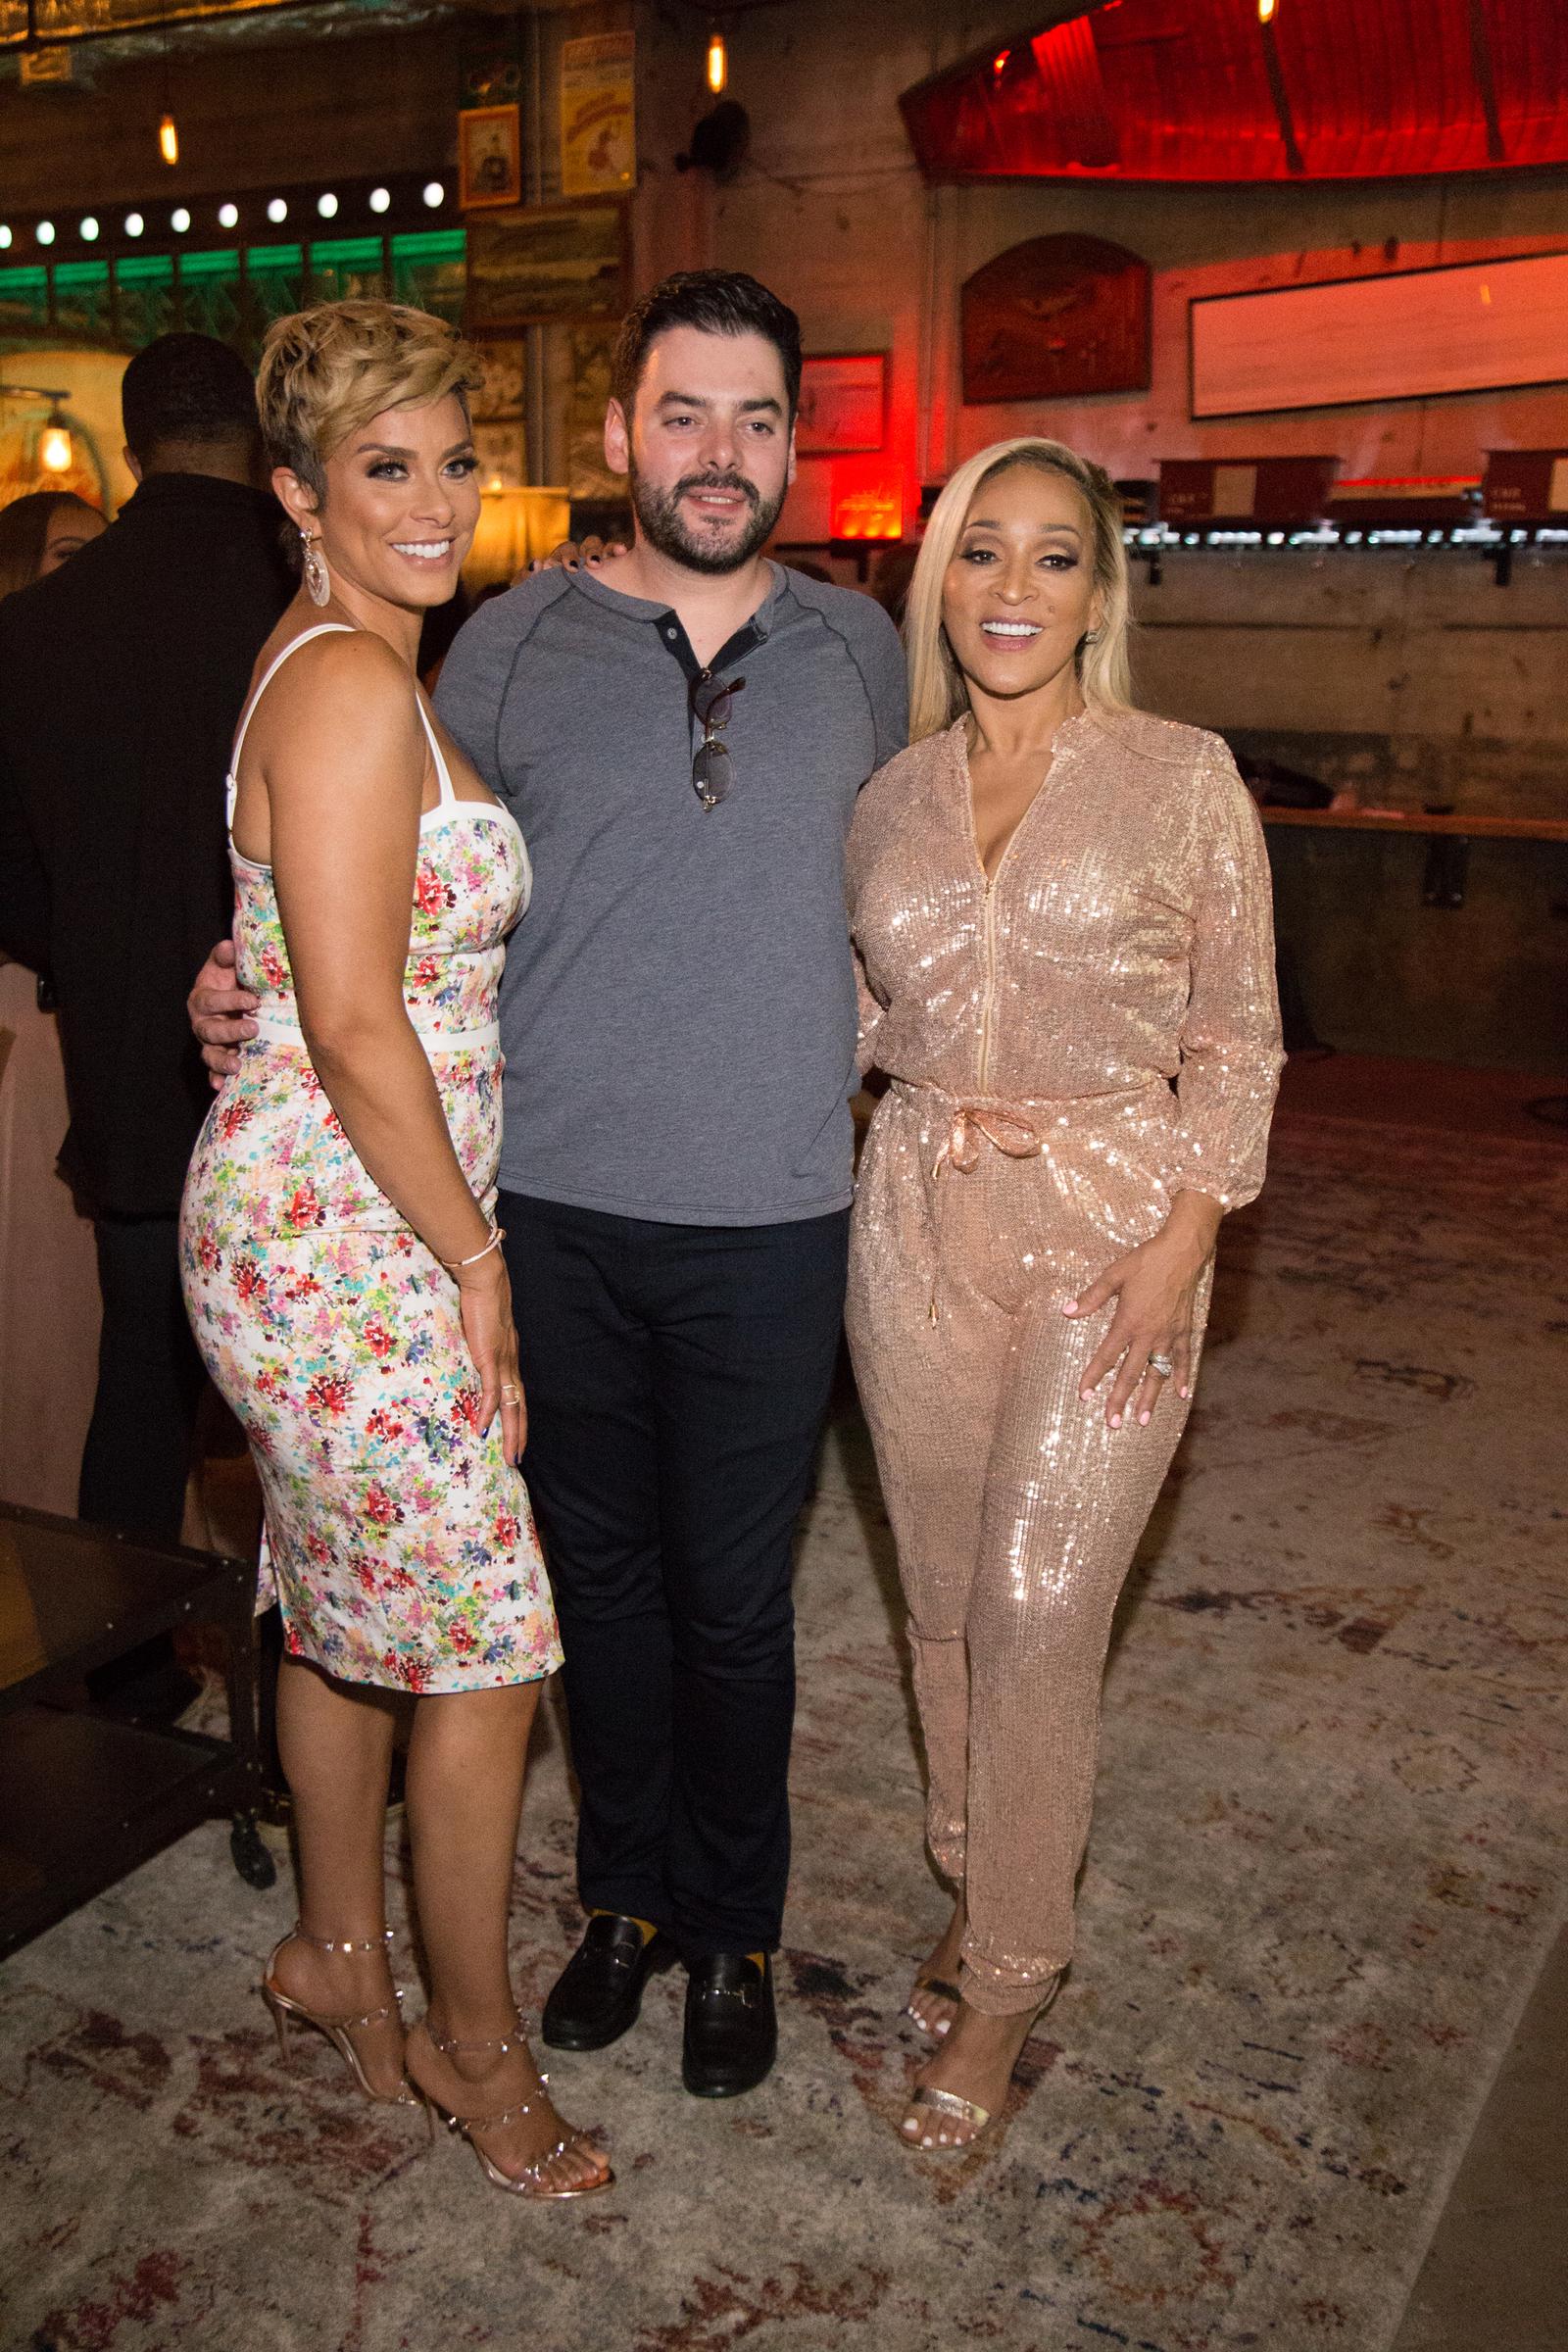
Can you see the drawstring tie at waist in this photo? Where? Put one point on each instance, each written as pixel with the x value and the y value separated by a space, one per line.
pixel 970 1124
pixel 1006 1130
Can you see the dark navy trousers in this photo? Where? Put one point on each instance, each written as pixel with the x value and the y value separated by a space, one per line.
pixel 676 1379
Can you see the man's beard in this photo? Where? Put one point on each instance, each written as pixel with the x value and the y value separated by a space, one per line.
pixel 662 523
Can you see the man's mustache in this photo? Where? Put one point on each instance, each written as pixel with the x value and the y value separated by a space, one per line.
pixel 717 481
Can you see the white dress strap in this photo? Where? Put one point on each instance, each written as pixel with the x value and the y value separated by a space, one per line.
pixel 443 774
pixel 323 628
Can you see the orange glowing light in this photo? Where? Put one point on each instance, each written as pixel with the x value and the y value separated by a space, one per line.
pixel 1000 61
pixel 168 139
pixel 717 63
pixel 866 500
pixel 1265 10
pixel 54 448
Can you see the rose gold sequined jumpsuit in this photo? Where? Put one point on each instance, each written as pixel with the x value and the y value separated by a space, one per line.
pixel 1031 1030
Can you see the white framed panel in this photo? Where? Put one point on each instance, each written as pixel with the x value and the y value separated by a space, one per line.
pixel 1469 327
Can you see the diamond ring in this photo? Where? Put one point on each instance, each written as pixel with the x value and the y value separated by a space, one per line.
pixel 1161 1364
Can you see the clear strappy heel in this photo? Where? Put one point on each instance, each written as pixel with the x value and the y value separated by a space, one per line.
pixel 531 2180
pixel 285 2007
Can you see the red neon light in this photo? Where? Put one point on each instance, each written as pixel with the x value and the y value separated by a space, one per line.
pixel 1338 90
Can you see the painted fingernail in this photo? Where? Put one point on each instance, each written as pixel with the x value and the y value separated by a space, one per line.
pixel 1071 1307
pixel 1115 1420
pixel 1143 1420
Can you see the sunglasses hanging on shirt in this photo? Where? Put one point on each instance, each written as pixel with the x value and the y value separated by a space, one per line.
pixel 711 775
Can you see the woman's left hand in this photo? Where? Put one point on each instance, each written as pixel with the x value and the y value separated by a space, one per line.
pixel 1154 1287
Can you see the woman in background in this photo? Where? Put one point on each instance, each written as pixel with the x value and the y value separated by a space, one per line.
pixel 339 1249
pixel 41 531
pixel 1061 910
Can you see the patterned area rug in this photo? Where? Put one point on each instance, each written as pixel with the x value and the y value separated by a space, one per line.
pixel 1328 1859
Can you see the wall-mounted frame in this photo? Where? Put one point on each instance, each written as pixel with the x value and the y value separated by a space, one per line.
pixel 496 405
pixel 489 156
pixel 553 261
pixel 844 403
pixel 1409 334
pixel 1057 318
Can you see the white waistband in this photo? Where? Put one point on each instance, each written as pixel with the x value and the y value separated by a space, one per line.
pixel 282 1028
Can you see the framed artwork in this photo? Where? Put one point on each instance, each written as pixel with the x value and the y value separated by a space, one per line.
pixel 844 403
pixel 1057 318
pixel 588 476
pixel 565 262
pixel 496 405
pixel 499 392
pixel 598 114
pixel 1402 335
pixel 489 156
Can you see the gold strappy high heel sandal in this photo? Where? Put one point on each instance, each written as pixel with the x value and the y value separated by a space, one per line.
pixel 531 2181
pixel 336 2028
pixel 932 2101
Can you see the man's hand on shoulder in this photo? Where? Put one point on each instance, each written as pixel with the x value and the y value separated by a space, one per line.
pixel 218 1009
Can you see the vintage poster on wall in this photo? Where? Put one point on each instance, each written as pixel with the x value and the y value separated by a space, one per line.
pixel 489 156
pixel 588 476
pixel 599 114
pixel 1055 317
pixel 553 261
pixel 496 403
pixel 844 402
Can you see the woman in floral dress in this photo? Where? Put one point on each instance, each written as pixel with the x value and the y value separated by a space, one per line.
pixel 339 1243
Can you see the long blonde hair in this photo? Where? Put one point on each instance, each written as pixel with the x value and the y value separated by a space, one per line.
pixel 937 691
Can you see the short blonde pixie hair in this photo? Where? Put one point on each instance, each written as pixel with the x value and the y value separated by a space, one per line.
pixel 937 691
pixel 327 370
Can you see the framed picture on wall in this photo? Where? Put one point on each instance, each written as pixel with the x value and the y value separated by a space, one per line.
pixel 1406 334
pixel 844 403
pixel 496 404
pixel 489 156
pixel 499 390
pixel 565 261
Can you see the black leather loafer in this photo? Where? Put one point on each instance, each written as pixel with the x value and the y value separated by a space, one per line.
pixel 731 2037
pixel 599 1991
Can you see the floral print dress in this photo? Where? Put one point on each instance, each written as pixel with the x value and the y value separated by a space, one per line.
pixel 398 1540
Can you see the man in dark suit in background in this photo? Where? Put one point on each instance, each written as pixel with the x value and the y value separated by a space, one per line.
pixel 122 677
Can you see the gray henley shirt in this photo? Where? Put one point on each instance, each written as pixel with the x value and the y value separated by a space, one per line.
pixel 677 1011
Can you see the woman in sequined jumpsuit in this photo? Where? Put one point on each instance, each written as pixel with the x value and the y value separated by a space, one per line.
pixel 1060 909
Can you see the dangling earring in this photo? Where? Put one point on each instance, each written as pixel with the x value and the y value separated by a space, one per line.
pixel 317 577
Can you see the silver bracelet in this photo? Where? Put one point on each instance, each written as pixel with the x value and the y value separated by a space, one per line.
pixel 456 1265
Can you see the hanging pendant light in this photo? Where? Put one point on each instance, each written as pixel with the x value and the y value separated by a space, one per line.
pixel 169 139
pixel 1265 10
pixel 54 453
pixel 717 63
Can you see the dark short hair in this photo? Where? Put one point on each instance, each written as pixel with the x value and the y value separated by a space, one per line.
pixel 717 302
pixel 186 388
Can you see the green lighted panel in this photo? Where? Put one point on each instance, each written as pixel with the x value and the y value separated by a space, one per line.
pixel 235 293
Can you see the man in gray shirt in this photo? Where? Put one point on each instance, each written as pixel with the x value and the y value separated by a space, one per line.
pixel 682 734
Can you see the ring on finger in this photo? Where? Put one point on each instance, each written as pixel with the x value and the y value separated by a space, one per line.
pixel 1162 1364
pixel 511 1395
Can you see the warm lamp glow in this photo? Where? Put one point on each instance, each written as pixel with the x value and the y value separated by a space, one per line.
pixel 1265 10
pixel 54 448
pixel 168 139
pixel 717 63
pixel 866 499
